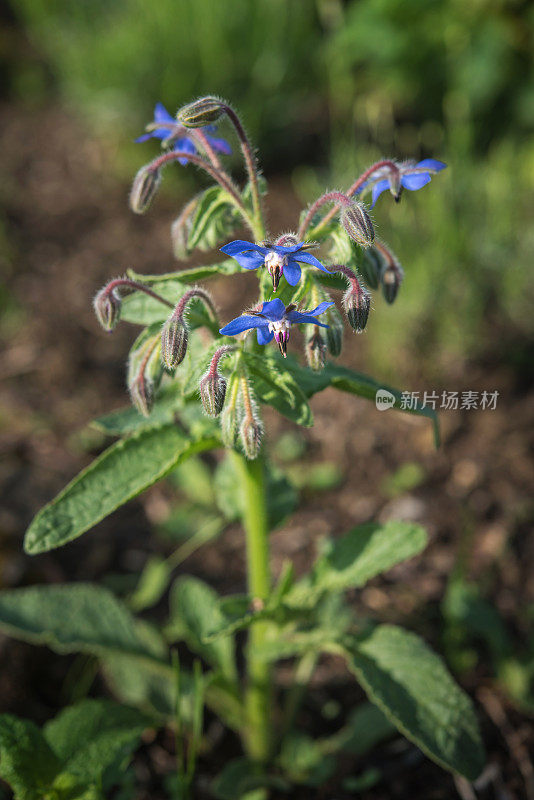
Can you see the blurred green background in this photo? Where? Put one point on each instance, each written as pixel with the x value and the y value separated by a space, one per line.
pixel 325 87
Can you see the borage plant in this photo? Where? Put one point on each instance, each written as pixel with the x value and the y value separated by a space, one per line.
pixel 197 383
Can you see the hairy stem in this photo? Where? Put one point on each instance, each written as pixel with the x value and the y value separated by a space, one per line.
pixel 252 169
pixel 259 688
pixel 117 283
pixel 330 197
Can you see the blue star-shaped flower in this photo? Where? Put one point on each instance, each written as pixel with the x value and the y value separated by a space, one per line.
pixel 185 143
pixel 279 259
pixel 411 176
pixel 274 320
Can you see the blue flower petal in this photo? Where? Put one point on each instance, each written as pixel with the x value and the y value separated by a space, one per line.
pixel 162 115
pixel 292 272
pixel 274 310
pixel 296 317
pixel 378 188
pixel 240 246
pixel 286 249
pixel 264 335
pixel 145 137
pixel 220 145
pixel 307 258
pixel 250 260
pixel 321 308
pixel 187 146
pixel 240 324
pixel 415 181
pixel 431 163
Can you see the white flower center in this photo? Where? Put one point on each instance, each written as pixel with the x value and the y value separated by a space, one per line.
pixel 273 260
pixel 280 327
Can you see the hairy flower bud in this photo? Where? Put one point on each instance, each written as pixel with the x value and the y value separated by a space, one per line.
pixel 315 349
pixel 371 266
pixel 174 341
pixel 142 394
pixel 334 334
pixel 107 305
pixel 144 187
pixel 251 434
pixel 391 280
pixel 357 222
pixel 200 112
pixel 357 304
pixel 212 392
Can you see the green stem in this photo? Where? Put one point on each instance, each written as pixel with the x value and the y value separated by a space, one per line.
pixel 259 689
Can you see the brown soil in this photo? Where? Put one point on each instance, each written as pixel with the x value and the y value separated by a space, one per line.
pixel 68 230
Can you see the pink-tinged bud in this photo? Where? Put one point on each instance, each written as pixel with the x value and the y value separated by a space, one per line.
pixel 201 112
pixel 315 349
pixel 357 305
pixel 213 392
pixel 145 185
pixel 391 280
pixel 174 341
pixel 251 434
pixel 334 334
pixel 357 222
pixel 142 394
pixel 107 305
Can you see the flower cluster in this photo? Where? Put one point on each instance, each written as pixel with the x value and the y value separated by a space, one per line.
pixel 354 260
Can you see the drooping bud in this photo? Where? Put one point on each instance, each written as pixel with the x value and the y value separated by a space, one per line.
pixel 144 373
pixel 212 393
pixel 357 222
pixel 371 266
pixel 174 341
pixel 356 300
pixel 391 280
pixel 392 273
pixel 107 305
pixel 144 187
pixel 180 229
pixel 204 111
pixel 334 333
pixel 315 349
pixel 251 435
pixel 357 306
pixel 213 385
pixel 230 414
pixel 142 394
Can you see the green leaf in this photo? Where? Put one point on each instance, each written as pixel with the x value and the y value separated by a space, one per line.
pixel 122 472
pixel 274 385
pixel 195 611
pixel 26 761
pixel 78 617
pixel 366 727
pixel 413 688
pixel 145 684
pixel 214 219
pixel 90 736
pixel 169 401
pixel 352 560
pixel 188 276
pixel 241 777
pixel 152 584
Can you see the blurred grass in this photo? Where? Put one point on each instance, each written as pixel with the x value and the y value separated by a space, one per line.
pixel 326 87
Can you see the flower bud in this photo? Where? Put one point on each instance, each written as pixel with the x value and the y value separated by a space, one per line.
pixel 230 414
pixel 174 340
pixel 334 334
pixel 357 222
pixel 391 280
pixel 213 392
pixel 201 112
pixel 370 267
pixel 142 394
pixel 146 184
pixel 357 303
pixel 315 349
pixel 251 434
pixel 107 305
